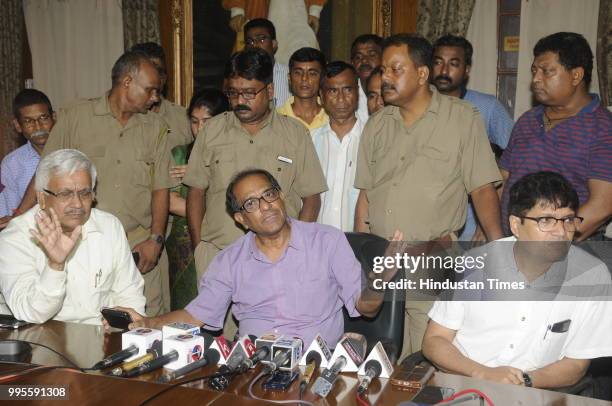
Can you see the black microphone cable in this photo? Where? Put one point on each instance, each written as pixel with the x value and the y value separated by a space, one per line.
pixel 182 382
pixel 65 358
pixel 281 402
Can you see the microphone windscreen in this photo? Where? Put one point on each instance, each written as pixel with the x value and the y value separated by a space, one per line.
pixel 208 338
pixel 213 356
pixel 313 356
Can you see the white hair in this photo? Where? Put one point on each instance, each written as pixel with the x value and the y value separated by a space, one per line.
pixel 63 162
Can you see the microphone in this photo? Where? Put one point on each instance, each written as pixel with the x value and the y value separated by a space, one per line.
pixel 116 357
pixel 373 370
pixel 241 351
pixel 351 346
pixel 378 364
pixel 153 364
pixel 151 354
pixel 287 353
pixel 280 358
pixel 324 383
pixel 249 363
pixel 210 357
pixel 313 361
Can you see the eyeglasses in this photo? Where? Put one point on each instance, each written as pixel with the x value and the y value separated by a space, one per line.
pixel 41 120
pixel 248 94
pixel 67 195
pixel 546 224
pixel 251 205
pixel 260 39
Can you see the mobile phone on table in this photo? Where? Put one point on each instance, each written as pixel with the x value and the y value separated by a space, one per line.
pixel 280 380
pixel 116 318
pixel 412 377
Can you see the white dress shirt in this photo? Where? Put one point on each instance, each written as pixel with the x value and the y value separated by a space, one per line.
pixel 100 272
pixel 362 109
pixel 280 77
pixel 339 162
pixel 519 334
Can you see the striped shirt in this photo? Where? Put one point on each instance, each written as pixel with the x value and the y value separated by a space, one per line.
pixel 280 77
pixel 17 169
pixel 579 148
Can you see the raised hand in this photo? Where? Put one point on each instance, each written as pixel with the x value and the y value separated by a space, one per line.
pixel 56 244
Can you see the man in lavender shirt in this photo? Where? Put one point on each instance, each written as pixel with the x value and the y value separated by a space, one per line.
pixel 284 275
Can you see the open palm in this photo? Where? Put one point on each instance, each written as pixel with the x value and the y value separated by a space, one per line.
pixel 50 236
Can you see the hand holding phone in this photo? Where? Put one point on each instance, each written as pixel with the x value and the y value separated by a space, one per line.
pixel 117 318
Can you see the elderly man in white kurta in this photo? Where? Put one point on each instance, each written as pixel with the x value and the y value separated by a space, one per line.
pixel 62 259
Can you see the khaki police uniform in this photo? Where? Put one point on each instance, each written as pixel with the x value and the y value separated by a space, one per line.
pixel 223 147
pixel 131 161
pixel 179 127
pixel 417 178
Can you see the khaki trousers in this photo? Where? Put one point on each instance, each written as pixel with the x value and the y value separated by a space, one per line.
pixel 157 281
pixel 417 305
pixel 204 253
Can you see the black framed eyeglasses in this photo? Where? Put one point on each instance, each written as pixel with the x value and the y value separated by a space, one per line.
pixel 548 223
pixel 67 195
pixel 248 94
pixel 251 205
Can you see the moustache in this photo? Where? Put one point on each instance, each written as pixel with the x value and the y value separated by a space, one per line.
pixel 387 86
pixel 242 107
pixel 39 133
pixel 442 77
pixel 74 212
pixel 364 67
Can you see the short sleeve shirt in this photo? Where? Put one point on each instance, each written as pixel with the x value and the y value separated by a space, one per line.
pixel 579 148
pixel 131 161
pixel 223 147
pixel 519 333
pixel 175 118
pixel 417 179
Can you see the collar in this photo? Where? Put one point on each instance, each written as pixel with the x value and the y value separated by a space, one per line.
pixel 29 148
pixel 296 241
pixel 101 107
pixel 268 121
pixel 433 107
pixel 589 108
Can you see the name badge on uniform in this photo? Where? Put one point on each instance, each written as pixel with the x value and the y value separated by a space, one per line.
pixel 284 159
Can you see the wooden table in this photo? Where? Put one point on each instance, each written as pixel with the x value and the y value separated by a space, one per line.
pixel 86 345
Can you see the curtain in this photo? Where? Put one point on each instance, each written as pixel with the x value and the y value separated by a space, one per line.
pixel 438 17
pixel 604 52
pixel 482 33
pixel 140 22
pixel 11 43
pixel 74 45
pixel 540 18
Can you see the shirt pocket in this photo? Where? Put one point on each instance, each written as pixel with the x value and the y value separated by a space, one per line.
pixel 311 298
pixel 282 167
pixel 552 347
pixel 222 166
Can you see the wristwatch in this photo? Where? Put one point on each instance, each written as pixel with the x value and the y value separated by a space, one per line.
pixel 159 239
pixel 527 380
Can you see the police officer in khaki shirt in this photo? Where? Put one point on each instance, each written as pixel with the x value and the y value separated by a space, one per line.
pixel 175 116
pixel 130 149
pixel 251 136
pixel 419 158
